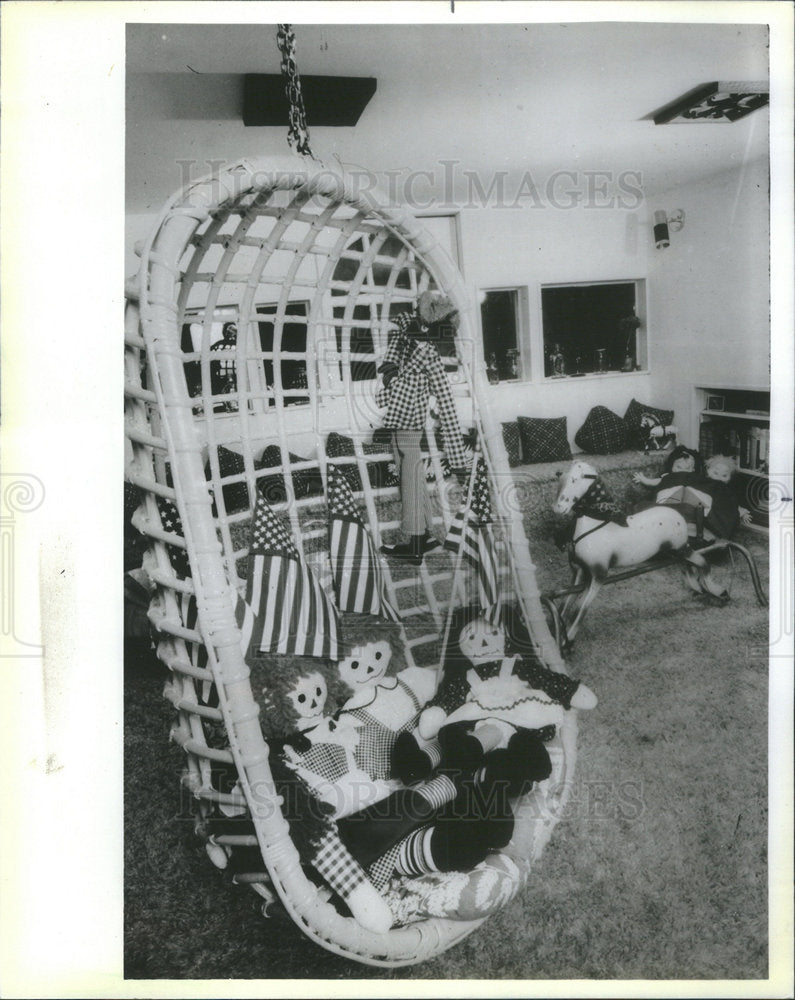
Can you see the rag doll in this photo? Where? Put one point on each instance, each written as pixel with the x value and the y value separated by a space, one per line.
pixel 493 713
pixel 412 372
pixel 294 694
pixel 495 706
pixel 346 757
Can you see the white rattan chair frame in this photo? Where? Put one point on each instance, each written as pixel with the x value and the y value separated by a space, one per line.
pixel 213 252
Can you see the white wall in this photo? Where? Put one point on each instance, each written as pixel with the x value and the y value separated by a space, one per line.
pixel 709 290
pixel 530 247
pixel 707 294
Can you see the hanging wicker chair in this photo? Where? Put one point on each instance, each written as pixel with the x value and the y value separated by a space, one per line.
pixel 309 268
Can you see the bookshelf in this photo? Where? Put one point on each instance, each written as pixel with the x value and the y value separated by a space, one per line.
pixel 735 420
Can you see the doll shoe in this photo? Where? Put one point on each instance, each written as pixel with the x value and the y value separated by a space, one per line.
pixel 413 550
pixel 430 543
pixel 406 552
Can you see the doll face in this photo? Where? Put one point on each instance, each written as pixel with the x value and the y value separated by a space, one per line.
pixel 308 697
pixel 481 642
pixel 721 471
pixel 365 664
pixel 685 463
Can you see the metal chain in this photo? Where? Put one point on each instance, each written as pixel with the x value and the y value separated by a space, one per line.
pixel 298 134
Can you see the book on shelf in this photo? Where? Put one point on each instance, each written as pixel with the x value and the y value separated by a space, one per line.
pixel 750 446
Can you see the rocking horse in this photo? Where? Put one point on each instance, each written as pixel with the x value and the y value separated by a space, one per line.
pixel 604 539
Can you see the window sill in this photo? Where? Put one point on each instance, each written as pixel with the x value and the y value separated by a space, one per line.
pixel 590 376
pixel 563 379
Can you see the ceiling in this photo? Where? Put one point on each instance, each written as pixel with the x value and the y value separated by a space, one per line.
pixel 520 98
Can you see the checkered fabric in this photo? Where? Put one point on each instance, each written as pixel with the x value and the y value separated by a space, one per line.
pixel 373 753
pixel 632 418
pixel 603 433
pixel 544 439
pixel 406 398
pixel 327 760
pixel 381 871
pixel 337 867
pixel 513 442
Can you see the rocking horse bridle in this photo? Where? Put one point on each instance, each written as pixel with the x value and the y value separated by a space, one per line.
pixel 579 503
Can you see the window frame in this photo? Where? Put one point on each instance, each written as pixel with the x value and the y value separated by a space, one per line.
pixel 522 317
pixel 642 352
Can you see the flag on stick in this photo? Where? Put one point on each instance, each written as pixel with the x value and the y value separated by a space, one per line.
pixel 288 610
pixel 471 532
pixel 356 568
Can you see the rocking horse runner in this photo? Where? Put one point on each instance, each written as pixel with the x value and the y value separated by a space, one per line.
pixel 604 538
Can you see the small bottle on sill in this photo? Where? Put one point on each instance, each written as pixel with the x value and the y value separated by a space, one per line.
pixel 558 362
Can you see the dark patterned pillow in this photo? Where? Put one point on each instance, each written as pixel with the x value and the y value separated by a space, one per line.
pixel 306 482
pixel 603 433
pixel 339 446
pixel 230 463
pixel 635 410
pixel 544 439
pixel 513 442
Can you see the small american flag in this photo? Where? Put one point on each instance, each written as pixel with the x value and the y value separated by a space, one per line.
pixel 172 522
pixel 471 531
pixel 358 577
pixel 285 610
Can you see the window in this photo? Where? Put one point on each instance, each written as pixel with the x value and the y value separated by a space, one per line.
pixel 593 328
pixel 499 314
pixel 223 331
pixel 292 368
pixel 369 310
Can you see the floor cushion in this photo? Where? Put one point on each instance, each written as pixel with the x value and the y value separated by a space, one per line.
pixel 513 442
pixel 544 439
pixel 602 433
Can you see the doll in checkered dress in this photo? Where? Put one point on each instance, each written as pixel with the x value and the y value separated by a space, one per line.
pixel 346 756
pixel 295 694
pixel 412 372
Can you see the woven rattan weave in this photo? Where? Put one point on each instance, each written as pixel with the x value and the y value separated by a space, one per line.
pixel 309 265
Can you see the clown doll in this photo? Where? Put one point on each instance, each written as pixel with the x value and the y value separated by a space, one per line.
pixel 412 372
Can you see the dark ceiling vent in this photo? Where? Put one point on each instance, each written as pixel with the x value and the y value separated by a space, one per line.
pixel 725 101
pixel 329 100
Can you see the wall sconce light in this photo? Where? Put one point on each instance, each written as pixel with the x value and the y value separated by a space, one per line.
pixel 663 223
